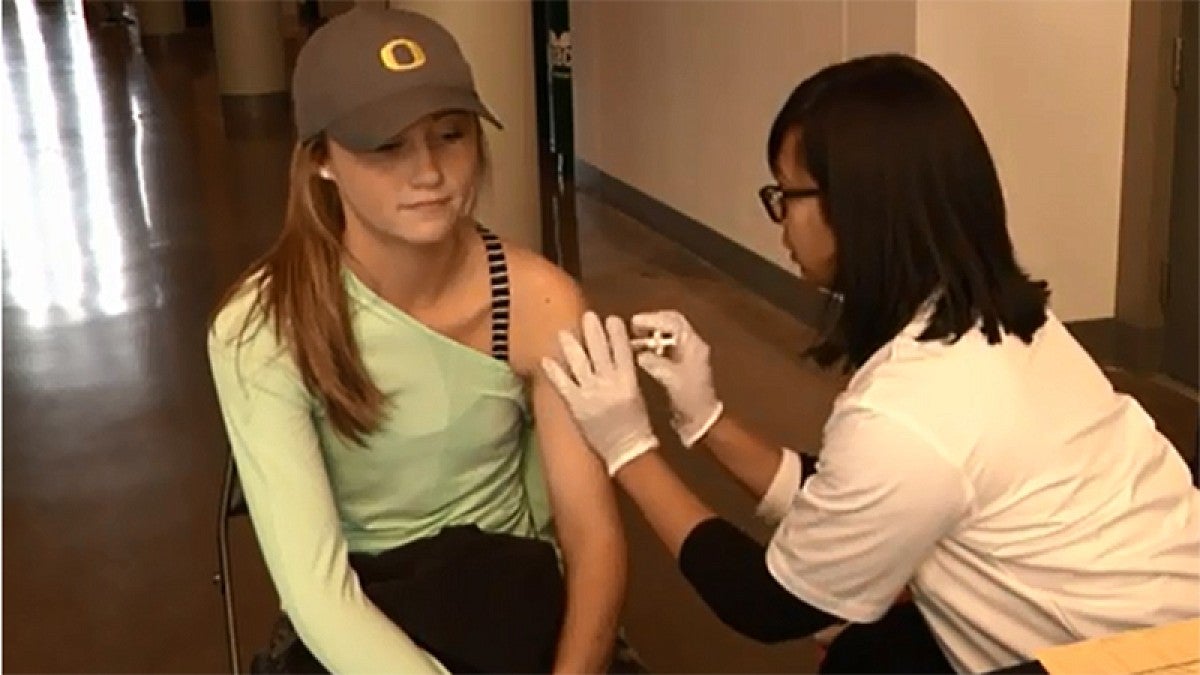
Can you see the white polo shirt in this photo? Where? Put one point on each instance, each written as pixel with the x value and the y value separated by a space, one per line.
pixel 1027 503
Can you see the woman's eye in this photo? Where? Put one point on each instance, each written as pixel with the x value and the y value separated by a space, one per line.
pixel 390 147
pixel 452 135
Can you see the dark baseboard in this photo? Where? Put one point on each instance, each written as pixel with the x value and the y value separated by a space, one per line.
pixel 256 115
pixel 1109 341
pixel 800 299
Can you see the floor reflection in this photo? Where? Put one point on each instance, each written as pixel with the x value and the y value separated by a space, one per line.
pixel 64 255
pixel 120 225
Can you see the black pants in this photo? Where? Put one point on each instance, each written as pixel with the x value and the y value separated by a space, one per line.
pixel 900 642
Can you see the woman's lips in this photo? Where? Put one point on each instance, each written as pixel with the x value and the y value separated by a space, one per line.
pixel 428 203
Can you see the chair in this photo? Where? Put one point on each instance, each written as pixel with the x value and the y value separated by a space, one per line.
pixel 233 504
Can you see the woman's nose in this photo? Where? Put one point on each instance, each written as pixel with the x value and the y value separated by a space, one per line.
pixel 424 167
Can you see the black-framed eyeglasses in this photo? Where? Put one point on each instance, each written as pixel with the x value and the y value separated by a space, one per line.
pixel 775 198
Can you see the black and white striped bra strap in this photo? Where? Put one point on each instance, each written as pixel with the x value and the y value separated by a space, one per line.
pixel 501 294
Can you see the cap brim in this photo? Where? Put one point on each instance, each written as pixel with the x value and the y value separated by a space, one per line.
pixel 373 125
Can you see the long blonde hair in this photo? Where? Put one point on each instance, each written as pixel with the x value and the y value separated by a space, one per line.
pixel 299 291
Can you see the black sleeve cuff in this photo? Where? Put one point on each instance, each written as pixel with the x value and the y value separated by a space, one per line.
pixel 729 571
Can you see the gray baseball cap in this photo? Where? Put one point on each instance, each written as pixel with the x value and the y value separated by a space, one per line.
pixel 369 73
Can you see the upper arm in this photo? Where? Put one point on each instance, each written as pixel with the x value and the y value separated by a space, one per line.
pixel 883 496
pixel 546 300
pixel 274 442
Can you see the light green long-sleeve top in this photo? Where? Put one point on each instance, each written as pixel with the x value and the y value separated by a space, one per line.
pixel 456 447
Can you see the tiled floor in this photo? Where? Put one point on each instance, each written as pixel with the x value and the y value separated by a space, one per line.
pixel 127 208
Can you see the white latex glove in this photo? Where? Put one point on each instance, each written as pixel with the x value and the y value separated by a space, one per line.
pixel 685 375
pixel 602 391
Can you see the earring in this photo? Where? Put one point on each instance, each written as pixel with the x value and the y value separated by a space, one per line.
pixel 325 173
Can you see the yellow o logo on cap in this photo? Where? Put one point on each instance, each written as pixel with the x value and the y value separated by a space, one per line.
pixel 416 55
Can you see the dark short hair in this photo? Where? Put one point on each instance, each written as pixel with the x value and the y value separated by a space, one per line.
pixel 914 201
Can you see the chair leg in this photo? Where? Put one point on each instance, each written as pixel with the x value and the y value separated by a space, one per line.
pixel 223 579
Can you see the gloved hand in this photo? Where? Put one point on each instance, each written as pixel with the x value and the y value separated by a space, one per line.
pixel 686 374
pixel 602 391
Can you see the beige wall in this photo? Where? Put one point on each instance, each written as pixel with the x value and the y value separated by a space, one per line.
pixel 1047 80
pixel 675 98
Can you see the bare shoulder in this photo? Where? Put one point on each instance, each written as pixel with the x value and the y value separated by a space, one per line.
pixel 540 285
pixel 545 300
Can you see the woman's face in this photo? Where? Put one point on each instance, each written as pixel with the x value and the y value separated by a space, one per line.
pixel 418 187
pixel 806 232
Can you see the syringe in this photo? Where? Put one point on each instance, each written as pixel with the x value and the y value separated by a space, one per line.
pixel 658 342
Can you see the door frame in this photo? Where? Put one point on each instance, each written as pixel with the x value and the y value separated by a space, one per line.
pixel 1134 340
